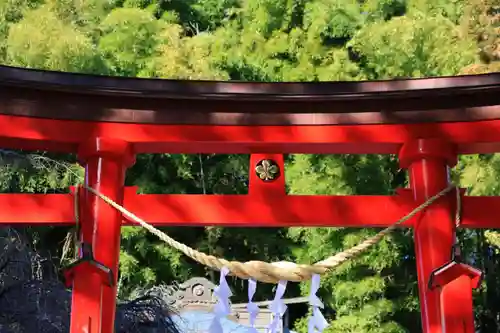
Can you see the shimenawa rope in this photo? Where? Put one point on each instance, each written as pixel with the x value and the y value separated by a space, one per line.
pixel 275 271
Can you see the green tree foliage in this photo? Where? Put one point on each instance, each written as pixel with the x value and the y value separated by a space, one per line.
pixel 482 22
pixel 359 290
pixel 41 40
pixel 452 10
pixel 265 40
pixel 128 40
pixel 11 11
pixel 411 47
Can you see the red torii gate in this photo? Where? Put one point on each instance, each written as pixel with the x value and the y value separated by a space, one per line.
pixel 106 121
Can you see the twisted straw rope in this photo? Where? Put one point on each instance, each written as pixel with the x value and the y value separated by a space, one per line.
pixel 276 271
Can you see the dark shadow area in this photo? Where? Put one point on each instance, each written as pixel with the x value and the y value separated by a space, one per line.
pixel 32 299
pixel 190 174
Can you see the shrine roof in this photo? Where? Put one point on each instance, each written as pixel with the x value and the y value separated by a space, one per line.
pixel 58 95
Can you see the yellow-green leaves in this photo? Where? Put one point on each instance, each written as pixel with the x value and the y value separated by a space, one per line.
pixel 41 40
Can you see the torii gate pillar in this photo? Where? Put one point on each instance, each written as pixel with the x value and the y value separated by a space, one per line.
pixel 94 276
pixel 428 162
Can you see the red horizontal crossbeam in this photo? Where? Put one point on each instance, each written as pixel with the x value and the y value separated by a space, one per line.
pixel 65 136
pixel 246 210
pixel 37 209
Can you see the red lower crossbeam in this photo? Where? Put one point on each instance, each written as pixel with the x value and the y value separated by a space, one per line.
pixel 246 210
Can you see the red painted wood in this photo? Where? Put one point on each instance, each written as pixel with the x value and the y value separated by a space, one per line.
pixel 428 162
pixel 259 211
pixel 64 136
pixel 105 158
pixel 93 302
pixel 457 303
pixel 36 209
pixel 246 211
pixel 452 271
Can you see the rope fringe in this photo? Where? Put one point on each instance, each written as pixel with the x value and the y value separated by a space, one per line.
pixel 275 271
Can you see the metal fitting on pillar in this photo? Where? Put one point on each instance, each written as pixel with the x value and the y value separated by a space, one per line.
pixel 268 179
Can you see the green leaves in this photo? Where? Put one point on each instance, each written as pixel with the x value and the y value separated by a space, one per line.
pixel 357 289
pixel 129 39
pixel 331 19
pixel 41 40
pixel 406 47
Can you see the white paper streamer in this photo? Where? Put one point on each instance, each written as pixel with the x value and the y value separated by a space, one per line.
pixel 253 309
pixel 222 308
pixel 317 323
pixel 277 307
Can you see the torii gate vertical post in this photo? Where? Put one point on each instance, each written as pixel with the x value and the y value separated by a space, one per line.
pixel 94 289
pixel 428 162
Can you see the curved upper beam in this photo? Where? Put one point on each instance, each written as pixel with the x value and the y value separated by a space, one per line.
pixel 57 95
